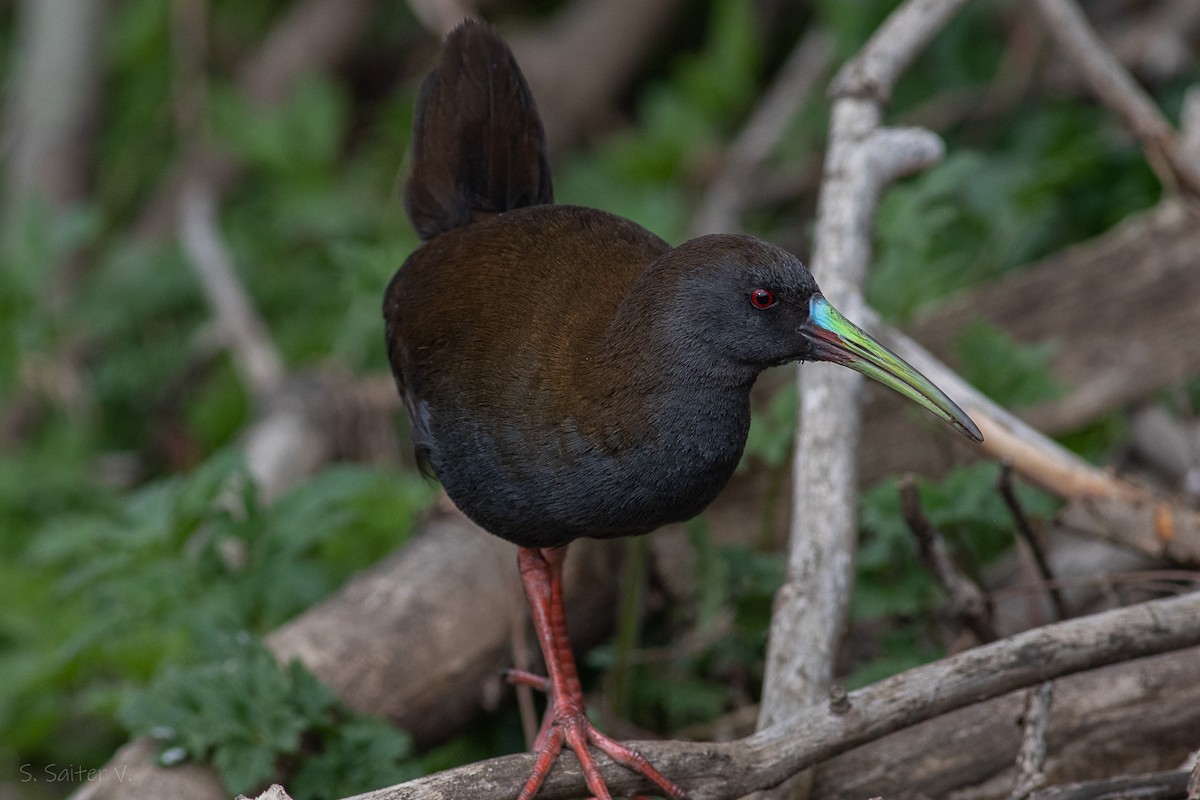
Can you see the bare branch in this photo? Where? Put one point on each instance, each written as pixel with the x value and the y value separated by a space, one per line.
pixel 716 771
pixel 966 600
pixel 1117 89
pixel 899 40
pixel 968 753
pixel 1158 786
pixel 53 99
pixel 810 607
pixel 1025 530
pixel 257 359
pixel 728 193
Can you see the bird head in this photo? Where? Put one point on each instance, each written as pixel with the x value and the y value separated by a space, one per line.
pixel 755 305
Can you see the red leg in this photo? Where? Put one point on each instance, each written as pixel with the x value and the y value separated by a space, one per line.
pixel 566 719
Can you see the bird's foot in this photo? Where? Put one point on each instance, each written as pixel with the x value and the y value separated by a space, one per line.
pixel 570 726
pixel 565 721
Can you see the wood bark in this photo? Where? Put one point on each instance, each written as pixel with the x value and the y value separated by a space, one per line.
pixel 969 754
pixel 54 96
pixel 732 769
pixel 808 618
pixel 407 640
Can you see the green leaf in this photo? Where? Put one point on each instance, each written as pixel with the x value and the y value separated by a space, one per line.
pixel 1010 373
pixel 299 137
pixel 244 767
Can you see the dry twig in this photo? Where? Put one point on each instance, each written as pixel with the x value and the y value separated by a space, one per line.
pixel 966 600
pixel 1027 534
pixel 728 193
pixel 1117 89
pixel 258 361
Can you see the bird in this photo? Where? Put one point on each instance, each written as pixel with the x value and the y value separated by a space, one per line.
pixel 569 374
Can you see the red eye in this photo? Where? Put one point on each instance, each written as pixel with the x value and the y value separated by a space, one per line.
pixel 762 298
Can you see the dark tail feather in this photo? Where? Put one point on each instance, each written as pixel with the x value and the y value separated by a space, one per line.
pixel 478 146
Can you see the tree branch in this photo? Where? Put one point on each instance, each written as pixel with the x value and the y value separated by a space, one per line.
pixel 729 191
pixel 1031 758
pixel 810 607
pixel 54 95
pixel 1098 503
pixel 258 361
pixel 969 753
pixel 1117 89
pixel 1158 786
pixel 717 771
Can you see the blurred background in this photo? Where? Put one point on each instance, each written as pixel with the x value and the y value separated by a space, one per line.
pixel 199 437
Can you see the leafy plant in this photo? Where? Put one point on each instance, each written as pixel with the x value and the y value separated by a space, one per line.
pixel 892 584
pixel 127 587
pixel 1010 373
pixel 256 721
pixel 721 664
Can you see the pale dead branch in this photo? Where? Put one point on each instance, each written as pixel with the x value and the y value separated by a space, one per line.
pixel 731 189
pixel 862 158
pixel 258 361
pixel 53 97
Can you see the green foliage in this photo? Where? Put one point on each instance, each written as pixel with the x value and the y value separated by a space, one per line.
pixel 299 138
pixel 30 238
pixel 254 720
pixel 773 428
pixel 723 664
pixel 638 173
pixel 978 215
pixel 122 586
pixel 1012 374
pixel 968 509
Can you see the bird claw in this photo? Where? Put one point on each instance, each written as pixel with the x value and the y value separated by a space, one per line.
pixel 575 731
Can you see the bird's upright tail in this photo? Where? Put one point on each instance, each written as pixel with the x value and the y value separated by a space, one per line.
pixel 478 147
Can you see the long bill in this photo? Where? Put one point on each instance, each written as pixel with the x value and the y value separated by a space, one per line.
pixel 835 338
